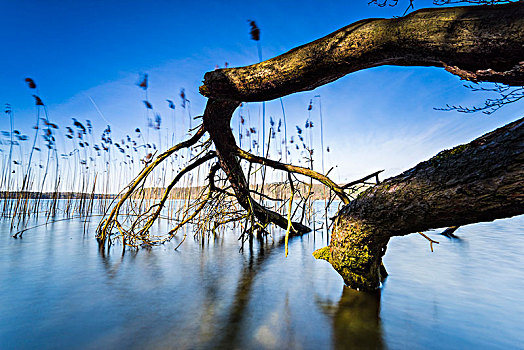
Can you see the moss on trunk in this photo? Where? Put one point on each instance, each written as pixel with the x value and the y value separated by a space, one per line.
pixel 356 252
pixel 479 181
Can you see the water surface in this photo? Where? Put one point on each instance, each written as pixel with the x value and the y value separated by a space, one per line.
pixel 58 290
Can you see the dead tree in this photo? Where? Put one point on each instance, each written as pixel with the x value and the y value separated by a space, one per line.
pixel 479 181
pixel 477 43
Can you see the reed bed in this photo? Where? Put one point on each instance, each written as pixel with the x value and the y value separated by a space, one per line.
pixel 156 172
pixel 67 171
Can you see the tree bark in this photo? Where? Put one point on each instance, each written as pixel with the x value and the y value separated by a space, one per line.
pixel 217 117
pixel 476 182
pixel 478 43
pixel 479 181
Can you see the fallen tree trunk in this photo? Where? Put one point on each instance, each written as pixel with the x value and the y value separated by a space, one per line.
pixel 478 43
pixel 479 181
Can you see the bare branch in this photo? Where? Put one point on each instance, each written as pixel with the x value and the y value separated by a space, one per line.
pixel 190 167
pixel 507 95
pixel 106 225
pixel 294 169
pixel 480 43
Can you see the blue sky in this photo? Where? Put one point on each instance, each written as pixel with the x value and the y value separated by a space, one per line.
pixel 381 118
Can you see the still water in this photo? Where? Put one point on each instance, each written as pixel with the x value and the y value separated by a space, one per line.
pixel 57 290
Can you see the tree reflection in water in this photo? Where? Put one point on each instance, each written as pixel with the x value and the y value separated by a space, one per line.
pixel 232 317
pixel 356 320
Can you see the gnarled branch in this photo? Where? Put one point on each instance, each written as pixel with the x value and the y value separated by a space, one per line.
pixel 478 43
pixel 208 156
pixel 105 226
pixel 216 120
pixel 294 169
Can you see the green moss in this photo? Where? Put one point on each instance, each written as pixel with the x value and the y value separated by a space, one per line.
pixel 355 256
pixel 447 153
pixel 322 253
pixel 364 282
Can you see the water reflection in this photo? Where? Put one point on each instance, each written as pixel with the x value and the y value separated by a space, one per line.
pixel 356 320
pixel 71 294
pixel 231 327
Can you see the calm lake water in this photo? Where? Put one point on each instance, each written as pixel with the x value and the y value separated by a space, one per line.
pixel 57 290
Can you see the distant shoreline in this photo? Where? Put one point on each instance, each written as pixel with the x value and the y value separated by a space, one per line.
pixel 277 191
